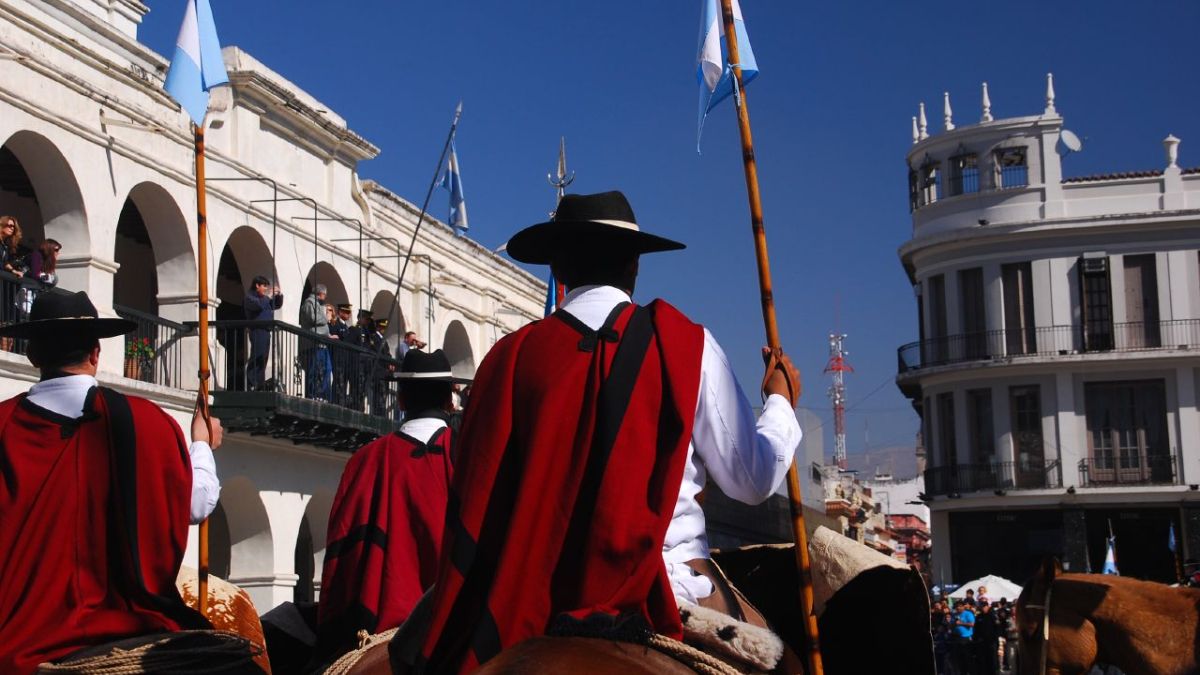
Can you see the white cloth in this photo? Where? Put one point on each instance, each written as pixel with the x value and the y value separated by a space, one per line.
pixel 747 459
pixel 422 428
pixel 66 396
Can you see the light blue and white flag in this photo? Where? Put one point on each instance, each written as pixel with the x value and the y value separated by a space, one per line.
pixel 196 66
pixel 551 295
pixel 713 70
pixel 1110 557
pixel 452 181
pixel 1171 544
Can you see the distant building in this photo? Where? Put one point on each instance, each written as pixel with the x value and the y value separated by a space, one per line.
pixel 1058 363
pixel 858 511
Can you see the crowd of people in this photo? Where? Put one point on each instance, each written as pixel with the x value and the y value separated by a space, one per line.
pixel 34 263
pixel 345 377
pixel 971 634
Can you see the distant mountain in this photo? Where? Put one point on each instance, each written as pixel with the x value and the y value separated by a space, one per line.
pixel 900 461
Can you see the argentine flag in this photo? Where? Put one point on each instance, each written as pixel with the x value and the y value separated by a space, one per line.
pixel 551 295
pixel 1110 557
pixel 197 66
pixel 452 181
pixel 713 71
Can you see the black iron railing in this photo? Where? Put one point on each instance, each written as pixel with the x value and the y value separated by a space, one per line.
pixel 16 299
pixel 959 479
pixel 154 352
pixel 273 356
pixel 1048 341
pixel 1132 469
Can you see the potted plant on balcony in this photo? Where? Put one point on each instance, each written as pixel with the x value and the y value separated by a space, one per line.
pixel 139 353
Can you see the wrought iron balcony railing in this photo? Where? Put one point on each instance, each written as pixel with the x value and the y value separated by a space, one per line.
pixel 958 479
pixel 1048 341
pixel 1132 469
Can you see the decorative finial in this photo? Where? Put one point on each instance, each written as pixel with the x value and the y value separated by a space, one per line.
pixel 987 105
pixel 1171 145
pixel 916 132
pixel 1050 94
pixel 947 113
pixel 922 123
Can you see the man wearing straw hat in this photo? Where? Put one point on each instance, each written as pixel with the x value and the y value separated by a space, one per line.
pixel 385 528
pixel 590 433
pixel 98 493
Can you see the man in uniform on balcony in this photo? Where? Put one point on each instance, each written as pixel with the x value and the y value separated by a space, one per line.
pixel 589 434
pixel 98 493
pixel 341 357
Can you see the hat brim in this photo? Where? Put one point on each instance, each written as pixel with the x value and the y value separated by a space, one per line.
pixel 537 244
pixel 432 377
pixel 81 325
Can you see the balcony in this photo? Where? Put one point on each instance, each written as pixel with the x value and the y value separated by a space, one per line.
pixel 958 479
pixel 1131 469
pixel 273 378
pixel 1017 343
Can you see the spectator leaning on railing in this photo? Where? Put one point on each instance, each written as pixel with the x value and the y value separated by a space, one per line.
pixel 314 353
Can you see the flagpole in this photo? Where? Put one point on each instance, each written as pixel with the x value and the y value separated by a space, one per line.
pixel 202 392
pixel 799 532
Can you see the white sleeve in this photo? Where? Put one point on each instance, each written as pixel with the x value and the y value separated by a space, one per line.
pixel 747 459
pixel 206 488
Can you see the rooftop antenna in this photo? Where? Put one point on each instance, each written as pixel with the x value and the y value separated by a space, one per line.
pixel 838 367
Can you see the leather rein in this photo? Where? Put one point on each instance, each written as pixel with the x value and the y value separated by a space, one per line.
pixel 1045 607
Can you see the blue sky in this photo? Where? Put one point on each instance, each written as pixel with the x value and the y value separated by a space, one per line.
pixel 831 115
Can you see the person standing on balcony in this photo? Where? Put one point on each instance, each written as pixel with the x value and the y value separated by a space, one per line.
pixel 12 260
pixel 41 275
pixel 98 493
pixel 338 329
pixel 379 368
pixel 315 353
pixel 359 335
pixel 260 307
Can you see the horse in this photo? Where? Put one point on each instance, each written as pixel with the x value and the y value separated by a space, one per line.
pixel 1067 623
pixel 229 609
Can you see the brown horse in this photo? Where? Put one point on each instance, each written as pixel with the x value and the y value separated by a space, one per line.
pixel 229 609
pixel 1069 622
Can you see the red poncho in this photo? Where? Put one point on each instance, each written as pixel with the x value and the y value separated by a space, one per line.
pixel 385 534
pixel 93 527
pixel 573 451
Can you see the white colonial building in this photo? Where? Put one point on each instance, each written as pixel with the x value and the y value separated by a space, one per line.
pixel 1058 364
pixel 95 155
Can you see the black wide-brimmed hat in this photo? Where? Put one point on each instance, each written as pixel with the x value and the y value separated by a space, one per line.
pixel 425 366
pixel 585 222
pixel 66 313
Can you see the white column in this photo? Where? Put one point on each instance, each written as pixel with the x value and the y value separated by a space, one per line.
pixel 285 510
pixel 1002 424
pixel 939 533
pixel 1067 427
pixel 1188 454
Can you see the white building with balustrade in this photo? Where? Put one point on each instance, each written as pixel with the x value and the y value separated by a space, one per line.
pixel 1058 363
pixel 95 155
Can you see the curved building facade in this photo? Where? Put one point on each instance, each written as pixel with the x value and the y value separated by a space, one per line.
pixel 1058 362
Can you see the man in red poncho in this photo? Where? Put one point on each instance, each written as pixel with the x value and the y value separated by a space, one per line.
pixel 385 529
pixel 96 497
pixel 587 435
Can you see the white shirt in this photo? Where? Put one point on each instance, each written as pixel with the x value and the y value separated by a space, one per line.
pixel 747 459
pixel 422 428
pixel 66 396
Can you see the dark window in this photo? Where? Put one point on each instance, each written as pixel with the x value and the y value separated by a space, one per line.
pixel 1025 407
pixel 939 352
pixel 979 426
pixel 964 174
pixel 1019 334
pixel 1011 168
pixel 1141 328
pixel 949 452
pixel 1127 432
pixel 914 190
pixel 1095 285
pixel 974 322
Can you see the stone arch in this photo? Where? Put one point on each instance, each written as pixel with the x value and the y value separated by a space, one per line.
pixel 385 305
pixel 244 256
pixel 316 514
pixel 324 273
pixel 457 346
pixel 154 249
pixel 39 188
pixel 251 543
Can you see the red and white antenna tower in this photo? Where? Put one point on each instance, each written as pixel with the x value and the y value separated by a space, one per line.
pixel 838 366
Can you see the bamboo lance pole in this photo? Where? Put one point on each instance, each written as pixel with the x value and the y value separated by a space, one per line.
pixel 815 666
pixel 202 393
